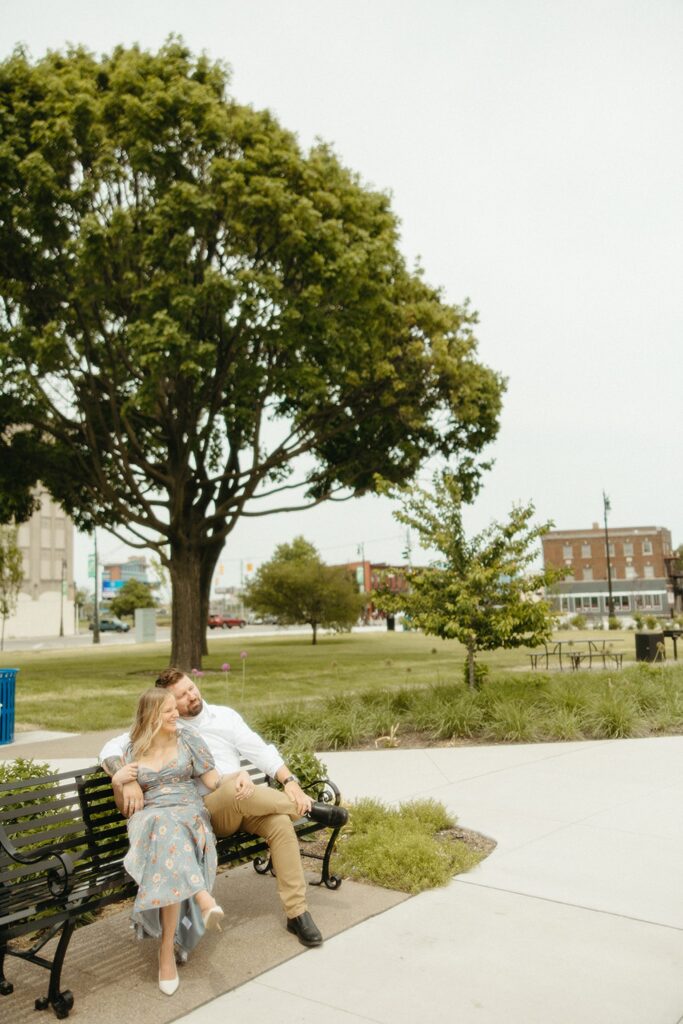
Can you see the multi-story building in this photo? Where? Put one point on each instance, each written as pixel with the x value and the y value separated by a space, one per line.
pixel 115 574
pixel 637 563
pixel 45 605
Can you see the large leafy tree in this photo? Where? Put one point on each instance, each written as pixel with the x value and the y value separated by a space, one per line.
pixel 481 590
pixel 297 587
pixel 198 321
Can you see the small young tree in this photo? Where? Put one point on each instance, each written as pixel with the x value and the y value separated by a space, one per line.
pixel 11 575
pixel 133 594
pixel 481 591
pixel 297 587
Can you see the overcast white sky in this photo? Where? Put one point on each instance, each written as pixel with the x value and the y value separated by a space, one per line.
pixel 533 151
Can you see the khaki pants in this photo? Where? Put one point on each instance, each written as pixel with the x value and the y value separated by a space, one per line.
pixel 269 813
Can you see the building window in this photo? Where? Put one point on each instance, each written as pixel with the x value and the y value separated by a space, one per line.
pixel 647 547
pixel 649 572
pixel 656 601
pixel 611 549
pixel 631 573
pixel 587 573
pixel 566 551
pixel 628 548
pixel 564 604
pixel 585 551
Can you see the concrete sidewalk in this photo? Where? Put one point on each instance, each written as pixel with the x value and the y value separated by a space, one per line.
pixel 575 918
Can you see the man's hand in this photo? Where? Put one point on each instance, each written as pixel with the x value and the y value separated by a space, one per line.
pixel 243 785
pixel 301 800
pixel 132 799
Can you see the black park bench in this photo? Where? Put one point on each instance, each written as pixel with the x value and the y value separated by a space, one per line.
pixel 62 844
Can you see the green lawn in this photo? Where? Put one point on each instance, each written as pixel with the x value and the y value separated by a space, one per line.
pixel 97 687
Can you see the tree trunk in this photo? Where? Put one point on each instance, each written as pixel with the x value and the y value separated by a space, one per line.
pixel 187 625
pixel 314 627
pixel 209 557
pixel 470 668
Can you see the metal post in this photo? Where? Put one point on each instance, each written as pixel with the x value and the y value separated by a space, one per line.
pixel 61 599
pixel 610 600
pixel 96 607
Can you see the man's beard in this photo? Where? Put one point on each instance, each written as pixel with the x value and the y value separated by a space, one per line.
pixel 193 712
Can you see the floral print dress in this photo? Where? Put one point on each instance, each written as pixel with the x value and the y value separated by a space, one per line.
pixel 172 851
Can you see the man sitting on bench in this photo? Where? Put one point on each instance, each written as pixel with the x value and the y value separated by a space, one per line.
pixel 267 812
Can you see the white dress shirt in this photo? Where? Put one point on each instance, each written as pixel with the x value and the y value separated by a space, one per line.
pixel 227 736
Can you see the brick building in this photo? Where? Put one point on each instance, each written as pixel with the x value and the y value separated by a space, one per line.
pixel 638 559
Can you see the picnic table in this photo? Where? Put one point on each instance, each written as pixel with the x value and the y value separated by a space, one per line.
pixel 576 652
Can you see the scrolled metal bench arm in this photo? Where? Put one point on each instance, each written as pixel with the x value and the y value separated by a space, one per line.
pixel 59 866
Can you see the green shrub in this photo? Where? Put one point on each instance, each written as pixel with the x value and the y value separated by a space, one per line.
pixel 511 722
pixel 481 672
pixel 23 768
pixel 578 621
pixel 303 762
pixel 402 849
pixel 615 716
pixel 613 622
pixel 563 724
pixel 651 621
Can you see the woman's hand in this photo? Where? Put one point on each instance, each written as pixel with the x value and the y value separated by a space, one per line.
pixel 128 773
pixel 244 787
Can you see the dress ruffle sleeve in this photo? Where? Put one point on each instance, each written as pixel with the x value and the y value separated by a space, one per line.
pixel 200 756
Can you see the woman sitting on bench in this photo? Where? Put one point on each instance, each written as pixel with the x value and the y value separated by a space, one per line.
pixel 172 853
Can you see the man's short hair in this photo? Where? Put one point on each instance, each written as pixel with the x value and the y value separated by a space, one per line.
pixel 168 677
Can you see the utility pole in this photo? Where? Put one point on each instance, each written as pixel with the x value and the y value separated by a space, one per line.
pixel 610 600
pixel 360 551
pixel 61 598
pixel 96 608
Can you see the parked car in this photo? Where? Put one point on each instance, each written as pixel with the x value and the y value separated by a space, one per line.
pixel 112 625
pixel 218 621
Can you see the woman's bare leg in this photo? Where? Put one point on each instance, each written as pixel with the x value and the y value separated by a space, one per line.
pixel 169 921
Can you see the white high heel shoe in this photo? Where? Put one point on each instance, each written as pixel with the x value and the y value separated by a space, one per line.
pixel 168 987
pixel 212 918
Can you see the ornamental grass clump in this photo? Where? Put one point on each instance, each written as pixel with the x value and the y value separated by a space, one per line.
pixel 615 715
pixel 408 849
pixel 512 722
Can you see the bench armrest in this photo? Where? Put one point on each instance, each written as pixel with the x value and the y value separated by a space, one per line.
pixel 326 791
pixel 59 866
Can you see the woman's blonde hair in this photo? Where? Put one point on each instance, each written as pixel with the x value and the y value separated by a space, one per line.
pixel 147 721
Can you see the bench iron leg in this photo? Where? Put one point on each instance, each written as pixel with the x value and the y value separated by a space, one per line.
pixel 331 881
pixel 6 987
pixel 61 1002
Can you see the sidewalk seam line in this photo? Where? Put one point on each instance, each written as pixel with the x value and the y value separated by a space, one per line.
pixel 566 903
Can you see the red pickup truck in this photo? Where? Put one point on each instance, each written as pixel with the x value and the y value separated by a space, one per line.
pixel 225 622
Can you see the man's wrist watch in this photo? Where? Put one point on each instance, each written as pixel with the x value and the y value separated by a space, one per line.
pixel 290 778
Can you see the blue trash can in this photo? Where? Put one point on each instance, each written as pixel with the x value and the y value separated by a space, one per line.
pixel 8 685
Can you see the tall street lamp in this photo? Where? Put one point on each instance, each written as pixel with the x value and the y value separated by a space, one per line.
pixel 61 598
pixel 610 600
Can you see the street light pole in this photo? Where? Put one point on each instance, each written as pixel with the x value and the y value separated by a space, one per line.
pixel 61 599
pixel 96 607
pixel 610 600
